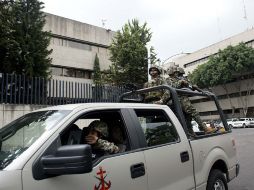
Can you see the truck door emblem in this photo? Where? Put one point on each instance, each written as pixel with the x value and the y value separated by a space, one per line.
pixel 103 185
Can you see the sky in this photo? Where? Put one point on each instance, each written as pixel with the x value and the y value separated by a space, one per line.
pixel 178 26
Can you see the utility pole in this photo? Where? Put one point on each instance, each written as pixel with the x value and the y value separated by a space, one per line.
pixel 148 63
pixel 245 14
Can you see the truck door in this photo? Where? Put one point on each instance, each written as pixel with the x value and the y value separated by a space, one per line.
pixel 168 155
pixel 122 170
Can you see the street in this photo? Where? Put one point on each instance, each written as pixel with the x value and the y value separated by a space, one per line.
pixel 245 153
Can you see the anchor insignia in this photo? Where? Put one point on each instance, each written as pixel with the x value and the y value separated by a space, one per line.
pixel 103 185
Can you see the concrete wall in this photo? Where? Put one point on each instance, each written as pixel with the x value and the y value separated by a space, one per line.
pixel 66 31
pixel 77 58
pixel 78 30
pixel 10 112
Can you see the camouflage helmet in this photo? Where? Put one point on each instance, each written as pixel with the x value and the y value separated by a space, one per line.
pixel 180 70
pixel 171 70
pixel 155 67
pixel 100 127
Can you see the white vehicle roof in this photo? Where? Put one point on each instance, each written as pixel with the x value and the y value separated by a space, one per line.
pixel 101 105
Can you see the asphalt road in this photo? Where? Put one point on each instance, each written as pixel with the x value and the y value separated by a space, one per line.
pixel 245 152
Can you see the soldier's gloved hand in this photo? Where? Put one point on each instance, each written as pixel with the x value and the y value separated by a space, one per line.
pixel 158 102
pixel 206 93
pixel 91 139
pixel 194 87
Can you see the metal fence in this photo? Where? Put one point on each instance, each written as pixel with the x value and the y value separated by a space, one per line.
pixel 19 89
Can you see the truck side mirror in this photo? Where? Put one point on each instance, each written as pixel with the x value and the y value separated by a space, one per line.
pixel 68 159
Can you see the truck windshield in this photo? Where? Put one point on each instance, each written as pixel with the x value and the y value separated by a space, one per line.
pixel 20 134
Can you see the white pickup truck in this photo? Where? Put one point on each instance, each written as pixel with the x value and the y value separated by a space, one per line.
pixel 240 123
pixel 43 150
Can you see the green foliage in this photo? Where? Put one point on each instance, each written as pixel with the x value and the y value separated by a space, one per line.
pixel 224 67
pixel 23 43
pixel 97 71
pixel 153 56
pixel 6 21
pixel 129 54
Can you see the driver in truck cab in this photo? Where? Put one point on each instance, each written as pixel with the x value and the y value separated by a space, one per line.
pixel 98 132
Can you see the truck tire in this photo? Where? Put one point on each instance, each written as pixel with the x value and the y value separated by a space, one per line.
pixel 231 127
pixel 216 181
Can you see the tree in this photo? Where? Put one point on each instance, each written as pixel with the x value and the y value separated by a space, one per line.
pixel 233 64
pixel 97 71
pixel 153 56
pixel 27 44
pixel 129 54
pixel 6 21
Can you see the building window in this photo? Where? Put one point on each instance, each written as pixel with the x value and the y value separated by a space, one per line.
pixel 80 74
pixel 71 44
pixel 202 60
pixel 67 72
pixel 56 71
pixel 88 75
pixel 71 72
pixel 79 45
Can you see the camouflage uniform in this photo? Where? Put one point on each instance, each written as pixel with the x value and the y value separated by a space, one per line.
pixel 155 96
pixel 102 144
pixel 106 146
pixel 188 108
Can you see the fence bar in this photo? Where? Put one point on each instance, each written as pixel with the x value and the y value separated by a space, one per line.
pixel 78 92
pixel 53 95
pixel 35 89
pixel 63 94
pixel 19 88
pixel 66 93
pixel 23 89
pixel 84 92
pixel 27 91
pixel 60 93
pixel 75 100
pixel 43 92
pixel 49 92
pixel 69 93
pixel 11 84
pixel 2 88
pixel 63 89
pixel 57 89
pixel 32 91
pixel 15 89
pixel 39 90
pixel 6 89
pixel 81 93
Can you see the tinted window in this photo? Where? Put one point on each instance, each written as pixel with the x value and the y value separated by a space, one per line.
pixel 157 128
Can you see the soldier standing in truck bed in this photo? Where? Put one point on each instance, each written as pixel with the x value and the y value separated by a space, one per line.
pixel 159 96
pixel 188 109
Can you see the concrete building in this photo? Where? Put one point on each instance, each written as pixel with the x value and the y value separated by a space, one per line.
pixel 241 93
pixel 75 45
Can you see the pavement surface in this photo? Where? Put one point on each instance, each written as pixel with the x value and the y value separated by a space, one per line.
pixel 245 153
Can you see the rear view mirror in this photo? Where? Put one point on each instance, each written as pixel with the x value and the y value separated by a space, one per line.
pixel 69 159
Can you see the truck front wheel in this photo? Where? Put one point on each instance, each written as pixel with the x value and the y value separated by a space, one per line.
pixel 216 181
